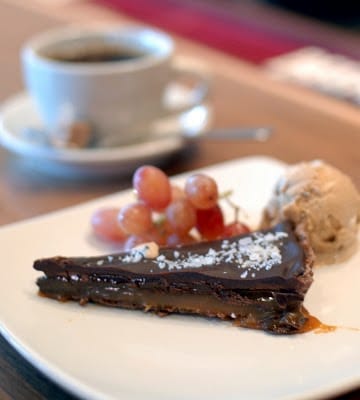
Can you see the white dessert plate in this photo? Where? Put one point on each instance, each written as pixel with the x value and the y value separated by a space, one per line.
pixel 102 353
pixel 166 137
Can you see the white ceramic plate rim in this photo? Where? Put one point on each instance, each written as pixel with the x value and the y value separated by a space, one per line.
pixel 37 347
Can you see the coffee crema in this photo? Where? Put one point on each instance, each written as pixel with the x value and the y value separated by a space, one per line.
pixel 97 54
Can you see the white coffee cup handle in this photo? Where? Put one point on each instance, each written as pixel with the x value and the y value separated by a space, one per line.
pixel 196 95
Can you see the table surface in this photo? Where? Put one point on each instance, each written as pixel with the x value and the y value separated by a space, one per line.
pixel 306 126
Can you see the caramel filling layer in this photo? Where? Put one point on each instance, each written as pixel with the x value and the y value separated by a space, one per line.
pixel 260 311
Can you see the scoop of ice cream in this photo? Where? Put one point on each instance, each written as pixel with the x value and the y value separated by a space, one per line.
pixel 326 204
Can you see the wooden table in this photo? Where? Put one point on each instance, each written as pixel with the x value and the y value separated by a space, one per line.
pixel 307 126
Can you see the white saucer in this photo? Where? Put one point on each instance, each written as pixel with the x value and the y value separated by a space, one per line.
pixel 168 136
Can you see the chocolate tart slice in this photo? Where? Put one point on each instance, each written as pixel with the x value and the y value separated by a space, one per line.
pixel 257 280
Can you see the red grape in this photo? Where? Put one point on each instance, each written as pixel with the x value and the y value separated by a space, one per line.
pixel 234 229
pixel 156 234
pixel 195 206
pixel 177 193
pixel 105 224
pixel 181 216
pixel 175 239
pixel 210 222
pixel 135 218
pixel 162 228
pixel 152 187
pixel 202 191
pixel 135 240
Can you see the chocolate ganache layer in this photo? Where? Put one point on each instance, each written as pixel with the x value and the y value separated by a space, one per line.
pixel 258 280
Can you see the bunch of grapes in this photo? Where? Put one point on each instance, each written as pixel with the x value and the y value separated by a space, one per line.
pixel 165 213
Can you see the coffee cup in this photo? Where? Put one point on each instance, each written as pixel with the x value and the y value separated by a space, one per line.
pixel 111 82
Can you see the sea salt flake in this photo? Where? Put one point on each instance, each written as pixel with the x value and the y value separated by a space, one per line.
pixel 161 265
pixel 112 289
pixel 209 260
pixel 137 256
pixel 255 257
pixel 225 244
pixel 196 262
pixel 245 241
pixel 211 252
pixel 253 253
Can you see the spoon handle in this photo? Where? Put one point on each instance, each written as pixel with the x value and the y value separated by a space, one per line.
pixel 240 133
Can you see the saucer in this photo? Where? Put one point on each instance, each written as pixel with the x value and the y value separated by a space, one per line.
pixel 167 136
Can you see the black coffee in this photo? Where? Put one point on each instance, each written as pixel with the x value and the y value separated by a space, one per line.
pixel 94 55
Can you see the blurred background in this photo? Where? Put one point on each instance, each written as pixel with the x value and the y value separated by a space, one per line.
pixel 341 12
pixel 315 44
pixel 254 29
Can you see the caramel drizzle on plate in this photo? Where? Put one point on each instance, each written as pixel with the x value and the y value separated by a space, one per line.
pixel 315 325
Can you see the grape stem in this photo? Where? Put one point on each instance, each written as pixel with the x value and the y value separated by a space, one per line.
pixel 237 209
